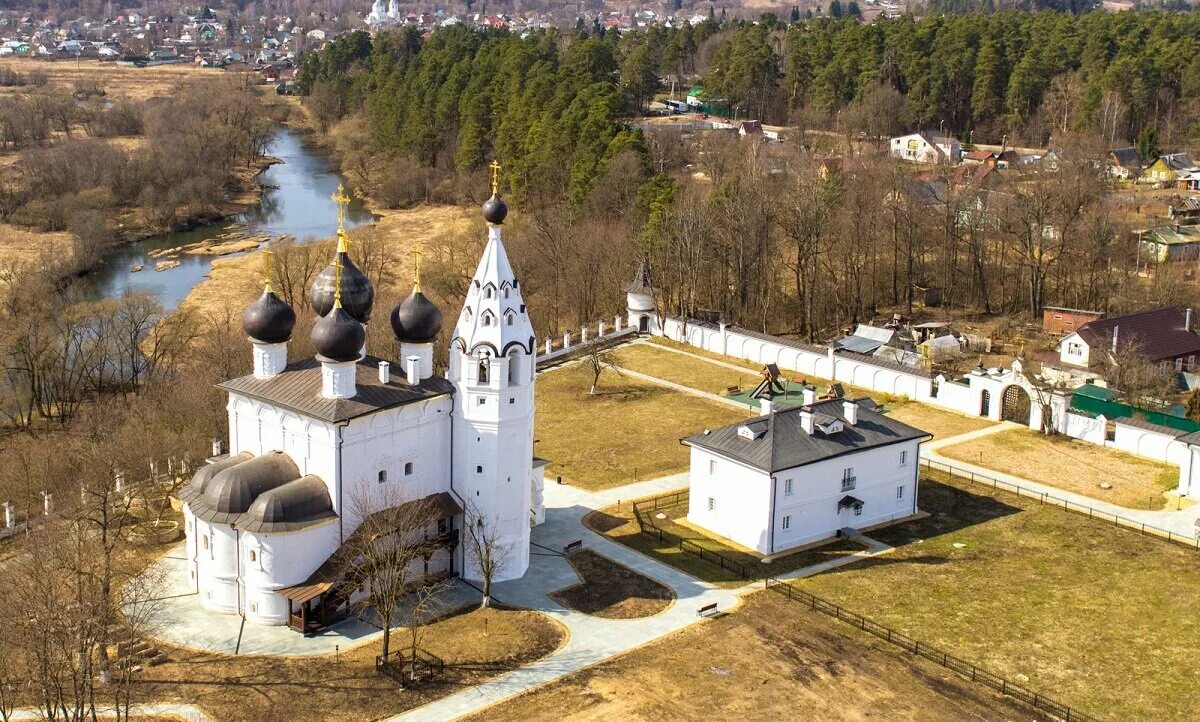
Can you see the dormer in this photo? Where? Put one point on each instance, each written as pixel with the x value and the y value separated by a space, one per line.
pixel 832 426
pixel 751 433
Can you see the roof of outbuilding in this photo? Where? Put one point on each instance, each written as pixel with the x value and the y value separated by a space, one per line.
pixel 298 388
pixel 1127 157
pixel 1159 333
pixel 782 443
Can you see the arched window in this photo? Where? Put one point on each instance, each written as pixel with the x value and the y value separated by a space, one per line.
pixel 483 371
pixel 204 542
pixel 509 319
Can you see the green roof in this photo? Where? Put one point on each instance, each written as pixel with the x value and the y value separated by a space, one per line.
pixel 1169 236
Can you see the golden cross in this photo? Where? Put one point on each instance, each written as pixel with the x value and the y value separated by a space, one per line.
pixel 337 283
pixel 267 253
pixel 342 201
pixel 495 167
pixel 416 256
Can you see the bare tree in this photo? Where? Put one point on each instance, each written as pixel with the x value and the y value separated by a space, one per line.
pixel 597 361
pixel 385 556
pixel 484 547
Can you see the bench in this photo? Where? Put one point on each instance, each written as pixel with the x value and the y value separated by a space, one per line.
pixel 732 390
pixel 708 610
pixel 573 547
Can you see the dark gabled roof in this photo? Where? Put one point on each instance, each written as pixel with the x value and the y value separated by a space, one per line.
pixel 1127 157
pixel 298 388
pixel 782 443
pixel 1160 334
pixel 1177 161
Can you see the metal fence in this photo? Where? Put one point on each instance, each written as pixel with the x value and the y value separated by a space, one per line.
pixel 649 528
pixel 966 669
pixel 1062 503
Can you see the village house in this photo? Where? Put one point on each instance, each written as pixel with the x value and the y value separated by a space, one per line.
pixel 1168 169
pixel 1124 163
pixel 800 474
pixel 926 147
pixel 1163 335
pixel 1163 244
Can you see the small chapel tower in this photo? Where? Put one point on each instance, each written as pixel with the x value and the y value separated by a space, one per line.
pixel 492 368
pixel 639 301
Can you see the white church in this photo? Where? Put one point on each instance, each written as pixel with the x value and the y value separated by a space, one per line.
pixel 314 442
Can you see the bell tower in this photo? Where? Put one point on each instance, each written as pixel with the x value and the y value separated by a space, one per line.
pixel 492 368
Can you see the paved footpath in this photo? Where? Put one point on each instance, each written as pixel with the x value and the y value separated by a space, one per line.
pixel 1182 522
pixel 186 712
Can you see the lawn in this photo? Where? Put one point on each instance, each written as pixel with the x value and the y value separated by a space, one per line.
pixel 628 431
pixel 682 369
pixel 618 524
pixel 476 645
pixel 1071 465
pixel 612 590
pixel 768 659
pixel 942 424
pixel 1096 616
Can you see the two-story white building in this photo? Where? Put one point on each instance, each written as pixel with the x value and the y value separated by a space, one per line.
pixel 924 147
pixel 798 475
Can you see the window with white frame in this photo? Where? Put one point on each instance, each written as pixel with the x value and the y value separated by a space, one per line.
pixel 712 467
pixel 787 521
pixel 712 504
pixel 900 492
pixel 1074 348
pixel 787 487
pixel 848 479
pixel 858 510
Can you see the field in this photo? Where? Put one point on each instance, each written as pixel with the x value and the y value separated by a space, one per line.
pixel 611 590
pixel 476 645
pixel 942 424
pixel 628 431
pixel 118 81
pixel 619 524
pixel 682 369
pixel 1071 465
pixel 1093 615
pixel 769 659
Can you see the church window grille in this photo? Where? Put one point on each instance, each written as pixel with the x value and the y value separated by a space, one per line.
pixel 512 400
pixel 482 400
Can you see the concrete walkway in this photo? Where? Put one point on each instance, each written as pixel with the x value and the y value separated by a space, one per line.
pixel 686 389
pixel 1180 523
pixel 592 639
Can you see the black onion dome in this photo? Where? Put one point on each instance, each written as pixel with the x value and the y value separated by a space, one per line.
pixel 416 319
pixel 495 210
pixel 269 319
pixel 358 295
pixel 338 336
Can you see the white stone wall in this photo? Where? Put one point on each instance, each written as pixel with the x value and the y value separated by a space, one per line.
pixel 740 497
pixel 1148 443
pixel 281 560
pixel 1083 427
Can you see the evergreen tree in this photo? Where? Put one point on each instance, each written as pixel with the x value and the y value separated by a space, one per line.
pixel 835 8
pixel 1147 144
pixel 794 16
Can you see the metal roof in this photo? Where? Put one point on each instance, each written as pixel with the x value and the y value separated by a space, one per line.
pixel 781 443
pixel 298 388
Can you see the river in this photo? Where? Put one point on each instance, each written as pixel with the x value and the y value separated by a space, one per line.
pixel 297 200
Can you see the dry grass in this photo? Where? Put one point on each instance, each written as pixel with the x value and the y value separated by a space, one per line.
pixel 942 424
pixel 629 430
pixel 347 688
pixel 1096 616
pixel 618 523
pixel 668 343
pixel 235 281
pixel 684 370
pixel 769 659
pixel 21 245
pixel 1071 465
pixel 612 590
pixel 118 81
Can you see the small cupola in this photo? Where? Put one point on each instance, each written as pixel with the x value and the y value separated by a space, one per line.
pixel 269 323
pixel 495 210
pixel 338 339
